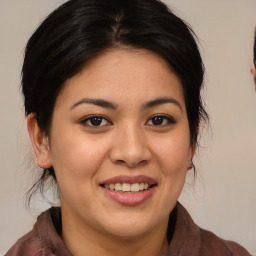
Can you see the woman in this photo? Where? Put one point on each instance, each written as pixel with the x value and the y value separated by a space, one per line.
pixel 113 105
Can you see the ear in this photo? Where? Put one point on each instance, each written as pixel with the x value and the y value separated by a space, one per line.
pixel 192 153
pixel 253 72
pixel 40 142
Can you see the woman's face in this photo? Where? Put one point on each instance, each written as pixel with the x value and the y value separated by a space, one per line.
pixel 120 143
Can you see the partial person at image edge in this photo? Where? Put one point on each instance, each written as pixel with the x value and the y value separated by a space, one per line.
pixel 112 98
pixel 253 69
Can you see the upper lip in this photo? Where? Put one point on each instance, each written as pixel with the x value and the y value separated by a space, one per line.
pixel 130 180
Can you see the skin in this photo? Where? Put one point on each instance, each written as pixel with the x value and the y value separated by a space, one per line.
pixel 127 142
pixel 253 72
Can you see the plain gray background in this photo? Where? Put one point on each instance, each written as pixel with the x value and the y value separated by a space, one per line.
pixel 223 198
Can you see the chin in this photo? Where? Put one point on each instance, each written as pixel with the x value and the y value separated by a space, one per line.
pixel 129 225
pixel 129 231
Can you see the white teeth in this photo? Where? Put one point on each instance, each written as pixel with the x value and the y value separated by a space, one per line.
pixel 112 186
pixel 118 186
pixel 135 187
pixel 142 186
pixel 126 187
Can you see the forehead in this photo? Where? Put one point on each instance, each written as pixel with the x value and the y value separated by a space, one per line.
pixel 121 74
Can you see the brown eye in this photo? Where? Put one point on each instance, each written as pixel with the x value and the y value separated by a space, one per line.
pixel 157 120
pixel 95 121
pixel 160 120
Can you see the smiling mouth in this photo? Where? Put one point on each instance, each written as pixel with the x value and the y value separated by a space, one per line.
pixel 128 188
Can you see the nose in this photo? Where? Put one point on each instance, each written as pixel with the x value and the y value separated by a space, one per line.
pixel 130 147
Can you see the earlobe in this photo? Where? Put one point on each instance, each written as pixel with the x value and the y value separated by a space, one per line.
pixel 253 72
pixel 190 163
pixel 40 142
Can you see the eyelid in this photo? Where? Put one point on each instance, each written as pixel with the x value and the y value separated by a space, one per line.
pixel 83 120
pixel 168 117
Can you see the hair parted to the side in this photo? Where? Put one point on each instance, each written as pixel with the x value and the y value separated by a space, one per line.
pixel 79 30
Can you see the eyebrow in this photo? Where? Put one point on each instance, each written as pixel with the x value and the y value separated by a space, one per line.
pixel 110 105
pixel 160 101
pixel 97 102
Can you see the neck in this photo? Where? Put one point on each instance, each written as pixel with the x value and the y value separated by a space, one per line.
pixel 84 241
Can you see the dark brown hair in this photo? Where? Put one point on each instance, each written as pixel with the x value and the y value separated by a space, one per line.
pixel 81 29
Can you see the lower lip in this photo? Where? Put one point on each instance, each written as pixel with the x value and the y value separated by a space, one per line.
pixel 129 199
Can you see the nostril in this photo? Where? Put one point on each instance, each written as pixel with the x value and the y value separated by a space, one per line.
pixel 131 163
pixel 130 156
pixel 143 162
pixel 120 162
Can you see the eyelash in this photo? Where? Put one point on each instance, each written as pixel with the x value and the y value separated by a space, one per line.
pixel 100 118
pixel 90 118
pixel 168 119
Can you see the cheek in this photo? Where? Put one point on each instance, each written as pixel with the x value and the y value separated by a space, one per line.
pixel 77 163
pixel 75 156
pixel 174 154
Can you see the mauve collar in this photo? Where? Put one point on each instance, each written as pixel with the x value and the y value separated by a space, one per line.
pixel 185 239
pixel 48 228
